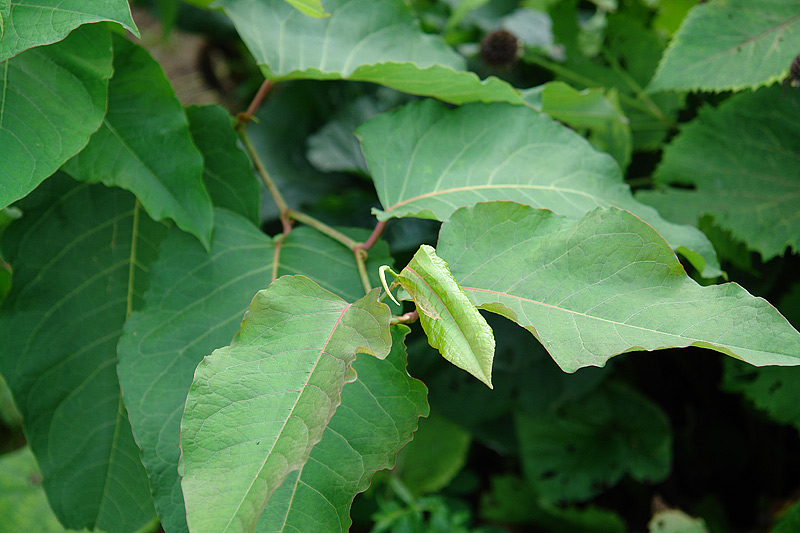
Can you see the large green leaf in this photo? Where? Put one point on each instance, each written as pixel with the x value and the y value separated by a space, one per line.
pixel 736 44
pixel 599 286
pixel 80 257
pixel 144 145
pixel 428 160
pixel 741 160
pixel 24 506
pixel 312 8
pixel 589 444
pixel 450 321
pixel 36 22
pixel 38 129
pixel 227 172
pixel 363 40
pixel 378 413
pixel 165 340
pixel 257 407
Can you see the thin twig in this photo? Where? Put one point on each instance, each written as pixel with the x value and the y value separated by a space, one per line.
pixel 361 264
pixel 283 208
pixel 373 238
pixel 406 318
pixel 247 116
pixel 322 228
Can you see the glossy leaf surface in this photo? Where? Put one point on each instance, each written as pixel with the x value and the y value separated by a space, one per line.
pixel 378 413
pixel 741 161
pixel 257 408
pixel 31 23
pixel 731 45
pixel 427 161
pixel 450 321
pixel 605 284
pixel 144 145
pixel 38 132
pixel 164 341
pixel 359 42
pixel 80 260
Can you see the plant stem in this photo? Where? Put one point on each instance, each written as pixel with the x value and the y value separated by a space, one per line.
pixel 373 238
pixel 361 264
pixel 406 318
pixel 635 87
pixel 276 257
pixel 322 228
pixel 247 116
pixel 283 208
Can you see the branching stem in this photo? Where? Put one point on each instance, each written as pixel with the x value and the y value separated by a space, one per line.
pixel 247 116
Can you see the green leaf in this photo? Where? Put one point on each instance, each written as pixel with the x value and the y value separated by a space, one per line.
pixel 379 412
pixel 30 23
pixel 675 521
pixel 437 453
pixel 227 172
pixel 513 501
pixel 257 408
pixel 741 159
pixel 606 284
pixel 451 322
pixel 591 443
pixel 165 340
pixel 789 521
pixel 773 390
pixel 24 506
pixel 427 161
pixel 38 132
pixel 359 42
pixel 590 109
pixel 312 8
pixel 731 45
pixel 144 145
pixel 80 256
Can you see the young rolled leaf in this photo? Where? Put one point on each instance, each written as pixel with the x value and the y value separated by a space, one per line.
pixel 164 341
pixel 741 159
pixel 359 42
pixel 38 133
pixel 428 160
pixel 451 322
pixel 606 284
pixel 379 412
pixel 144 145
pixel 257 407
pixel 731 45
pixel 30 23
pixel 80 255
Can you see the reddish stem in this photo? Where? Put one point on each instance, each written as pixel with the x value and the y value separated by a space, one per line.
pixel 406 318
pixel 373 238
pixel 247 116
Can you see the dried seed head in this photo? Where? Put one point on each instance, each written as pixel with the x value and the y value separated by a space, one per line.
pixel 794 72
pixel 499 48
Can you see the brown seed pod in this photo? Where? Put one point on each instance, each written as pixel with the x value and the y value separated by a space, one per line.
pixel 499 48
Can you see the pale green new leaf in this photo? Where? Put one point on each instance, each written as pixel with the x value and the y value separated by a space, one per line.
pixel 363 40
pixel 227 171
pixel 731 45
pixel 164 341
pixel 28 23
pixel 52 98
pixel 428 160
pixel 606 284
pixel 379 412
pixel 257 408
pixel 312 8
pixel 742 161
pixel 80 256
pixel 450 321
pixel 675 521
pixel 144 145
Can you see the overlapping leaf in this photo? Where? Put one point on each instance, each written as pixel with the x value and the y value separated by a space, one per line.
pixel 742 161
pixel 257 407
pixel 29 23
pixel 450 321
pixel 52 99
pixel 144 145
pixel 378 413
pixel 427 161
pixel 602 285
pixel 227 172
pixel 165 340
pixel 735 45
pixel 363 40
pixel 80 256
